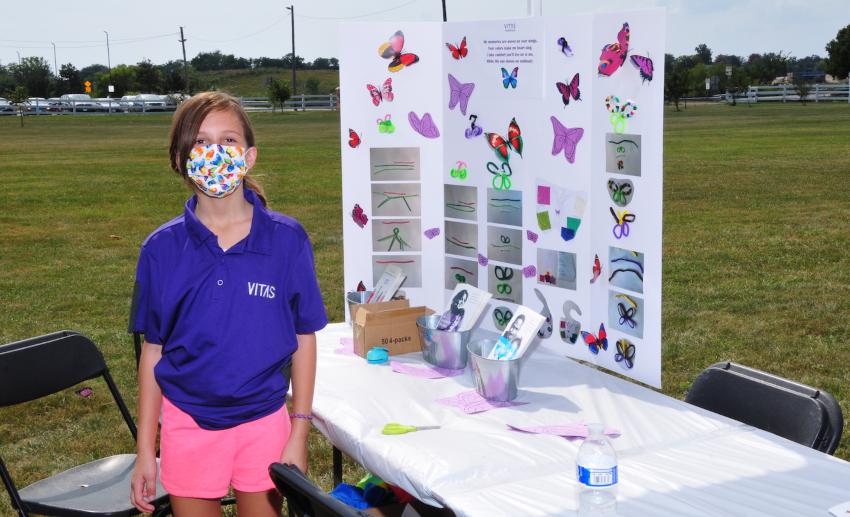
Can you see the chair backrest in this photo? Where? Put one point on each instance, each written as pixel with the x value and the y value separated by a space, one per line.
pixel 304 498
pixel 789 409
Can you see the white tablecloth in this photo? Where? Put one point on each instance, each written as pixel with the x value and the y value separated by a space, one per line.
pixel 674 458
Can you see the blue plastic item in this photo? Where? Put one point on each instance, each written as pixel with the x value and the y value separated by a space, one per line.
pixel 377 355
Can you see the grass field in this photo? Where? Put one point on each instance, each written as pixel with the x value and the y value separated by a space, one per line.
pixel 253 83
pixel 756 268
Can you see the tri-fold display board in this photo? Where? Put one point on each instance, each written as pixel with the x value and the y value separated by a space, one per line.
pixel 520 156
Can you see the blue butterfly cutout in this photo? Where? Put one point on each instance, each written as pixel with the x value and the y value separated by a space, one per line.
pixel 509 79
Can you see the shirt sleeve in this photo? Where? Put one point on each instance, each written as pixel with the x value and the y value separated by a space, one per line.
pixel 305 297
pixel 145 312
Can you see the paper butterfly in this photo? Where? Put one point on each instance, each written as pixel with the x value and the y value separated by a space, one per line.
pixel 530 235
pixel 353 139
pixel 384 93
pixel 432 232
pixel 597 342
pixel 529 271
pixel 424 126
pixel 459 93
pixel 619 113
pixel 502 146
pixel 566 139
pixel 359 216
pixel 85 392
pixel 625 353
pixel 361 286
pixel 614 54
pixel 385 125
pixel 569 90
pixel 392 50
pixel 565 47
pixel 597 268
pixel 509 79
pixel 644 66
pixel 472 131
pixel 482 260
pixel 459 51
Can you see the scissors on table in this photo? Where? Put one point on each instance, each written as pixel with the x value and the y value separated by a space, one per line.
pixel 394 428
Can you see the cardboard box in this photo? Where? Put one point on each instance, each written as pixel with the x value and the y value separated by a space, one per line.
pixel 391 325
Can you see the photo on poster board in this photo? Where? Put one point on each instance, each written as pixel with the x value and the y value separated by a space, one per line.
pixel 410 265
pixel 396 200
pixel 504 244
pixel 625 269
pixel 465 306
pixel 461 239
pixel 622 154
pixel 556 268
pixel 560 209
pixel 461 271
pixel 396 235
pixel 504 283
pixel 394 163
pixel 504 207
pixel 461 202
pixel 625 313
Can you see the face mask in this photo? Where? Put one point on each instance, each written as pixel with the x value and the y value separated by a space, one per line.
pixel 217 170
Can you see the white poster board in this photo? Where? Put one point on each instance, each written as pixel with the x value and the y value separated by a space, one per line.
pixel 451 194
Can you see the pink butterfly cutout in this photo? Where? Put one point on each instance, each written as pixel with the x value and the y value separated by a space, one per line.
pixel 424 126
pixel 566 139
pixel 529 271
pixel 459 93
pixel 531 235
pixel 569 90
pixel 384 93
pixel 359 216
pixel 644 66
pixel 614 54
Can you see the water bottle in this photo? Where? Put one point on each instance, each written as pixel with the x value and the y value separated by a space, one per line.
pixel 596 466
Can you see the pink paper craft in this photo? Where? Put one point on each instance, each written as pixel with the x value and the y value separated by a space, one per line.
pixel 426 372
pixel 543 195
pixel 347 347
pixel 470 402
pixel 573 430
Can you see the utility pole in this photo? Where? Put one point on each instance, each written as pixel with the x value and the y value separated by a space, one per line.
pixel 56 68
pixel 108 58
pixel 444 11
pixel 291 9
pixel 182 41
pixel 20 62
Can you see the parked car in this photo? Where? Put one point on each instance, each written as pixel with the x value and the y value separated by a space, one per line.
pixel 36 106
pixel 109 105
pixel 56 105
pixel 6 107
pixel 79 102
pixel 151 102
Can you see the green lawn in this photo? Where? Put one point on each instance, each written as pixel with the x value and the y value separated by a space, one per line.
pixel 756 268
pixel 253 83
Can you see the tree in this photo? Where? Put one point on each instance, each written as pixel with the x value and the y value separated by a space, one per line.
pixel 173 77
pixel 802 86
pixel 334 63
pixel 321 63
pixel 18 96
pixel 7 80
pixel 703 53
pixel 123 78
pixel 287 61
pixel 838 62
pixel 33 73
pixel 148 78
pixel 70 80
pixel 675 78
pixel 89 73
pixel 278 92
pixel 730 60
pixel 312 86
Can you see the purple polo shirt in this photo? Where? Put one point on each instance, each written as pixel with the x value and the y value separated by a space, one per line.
pixel 227 320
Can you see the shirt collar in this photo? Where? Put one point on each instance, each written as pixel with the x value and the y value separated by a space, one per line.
pixel 259 237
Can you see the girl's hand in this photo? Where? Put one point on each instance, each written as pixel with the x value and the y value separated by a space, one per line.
pixel 143 483
pixel 295 452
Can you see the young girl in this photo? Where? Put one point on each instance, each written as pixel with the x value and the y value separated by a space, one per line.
pixel 229 303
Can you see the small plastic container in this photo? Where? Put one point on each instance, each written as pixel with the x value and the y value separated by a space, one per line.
pixel 494 379
pixel 442 348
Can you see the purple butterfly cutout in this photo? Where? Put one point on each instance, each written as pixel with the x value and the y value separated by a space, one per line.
pixel 529 271
pixel 644 65
pixel 482 260
pixel 566 139
pixel 432 232
pixel 531 235
pixel 424 126
pixel 460 93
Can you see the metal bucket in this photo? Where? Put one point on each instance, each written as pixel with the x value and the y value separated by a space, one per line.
pixel 493 379
pixel 443 348
pixel 355 298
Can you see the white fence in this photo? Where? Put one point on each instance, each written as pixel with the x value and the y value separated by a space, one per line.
pixel 298 103
pixel 788 93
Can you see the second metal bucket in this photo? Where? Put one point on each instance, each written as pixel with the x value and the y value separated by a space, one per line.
pixel 494 379
pixel 443 348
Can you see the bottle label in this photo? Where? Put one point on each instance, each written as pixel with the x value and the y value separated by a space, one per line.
pixel 597 477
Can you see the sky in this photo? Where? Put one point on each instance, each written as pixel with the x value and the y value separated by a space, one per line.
pixel 254 28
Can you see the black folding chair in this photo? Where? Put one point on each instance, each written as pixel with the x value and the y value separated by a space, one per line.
pixel 789 409
pixel 304 498
pixel 43 365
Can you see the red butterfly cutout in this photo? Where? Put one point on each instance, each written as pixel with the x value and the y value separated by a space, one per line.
pixel 392 50
pixel 502 146
pixel 353 138
pixel 598 341
pixel 385 93
pixel 359 216
pixel 597 269
pixel 569 90
pixel 460 51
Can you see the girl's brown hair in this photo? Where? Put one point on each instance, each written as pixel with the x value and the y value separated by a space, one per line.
pixel 187 121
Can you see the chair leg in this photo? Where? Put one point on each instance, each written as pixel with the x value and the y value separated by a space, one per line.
pixel 337 466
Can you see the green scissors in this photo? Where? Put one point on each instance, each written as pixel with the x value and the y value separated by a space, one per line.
pixel 394 428
pixel 501 178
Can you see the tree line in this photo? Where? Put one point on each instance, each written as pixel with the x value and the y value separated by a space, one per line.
pixel 37 77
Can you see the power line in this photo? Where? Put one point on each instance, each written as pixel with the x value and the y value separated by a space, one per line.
pixel 93 43
pixel 359 15
pixel 264 29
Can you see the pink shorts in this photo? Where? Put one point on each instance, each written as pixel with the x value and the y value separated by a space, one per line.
pixel 200 463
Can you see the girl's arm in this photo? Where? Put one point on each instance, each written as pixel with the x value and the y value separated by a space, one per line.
pixel 143 481
pixel 303 381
